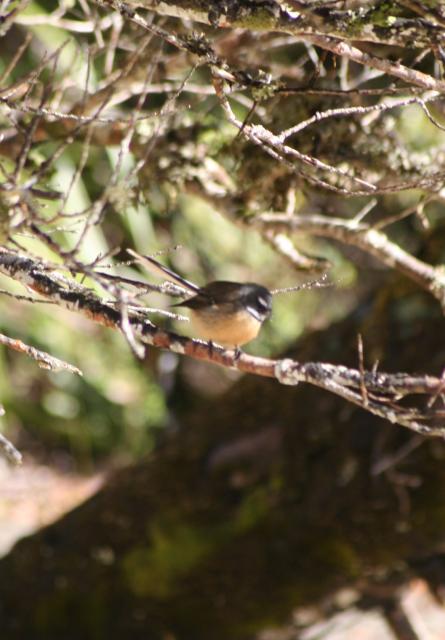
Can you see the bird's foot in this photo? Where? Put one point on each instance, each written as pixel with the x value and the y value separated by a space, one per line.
pixel 237 354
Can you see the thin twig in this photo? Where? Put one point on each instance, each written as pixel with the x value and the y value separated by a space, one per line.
pixel 320 283
pixel 44 360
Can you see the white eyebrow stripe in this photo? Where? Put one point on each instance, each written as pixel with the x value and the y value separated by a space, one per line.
pixel 256 313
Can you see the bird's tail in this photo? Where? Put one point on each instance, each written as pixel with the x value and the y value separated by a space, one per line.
pixel 158 269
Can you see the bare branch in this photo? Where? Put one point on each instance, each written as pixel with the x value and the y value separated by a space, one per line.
pixel 361 235
pixel 44 360
pixel 410 76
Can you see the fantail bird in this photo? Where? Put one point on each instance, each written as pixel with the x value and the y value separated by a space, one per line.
pixel 228 313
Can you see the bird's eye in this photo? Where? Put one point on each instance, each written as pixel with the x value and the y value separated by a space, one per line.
pixel 263 304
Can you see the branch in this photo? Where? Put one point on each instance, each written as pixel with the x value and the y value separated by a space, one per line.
pixel 44 360
pixel 410 76
pixel 273 145
pixel 350 232
pixel 376 24
pixel 267 15
pixel 361 235
pixel 383 391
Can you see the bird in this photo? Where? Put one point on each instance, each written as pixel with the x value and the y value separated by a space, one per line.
pixel 230 314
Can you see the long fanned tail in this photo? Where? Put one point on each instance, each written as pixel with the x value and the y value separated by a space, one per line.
pixel 158 269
